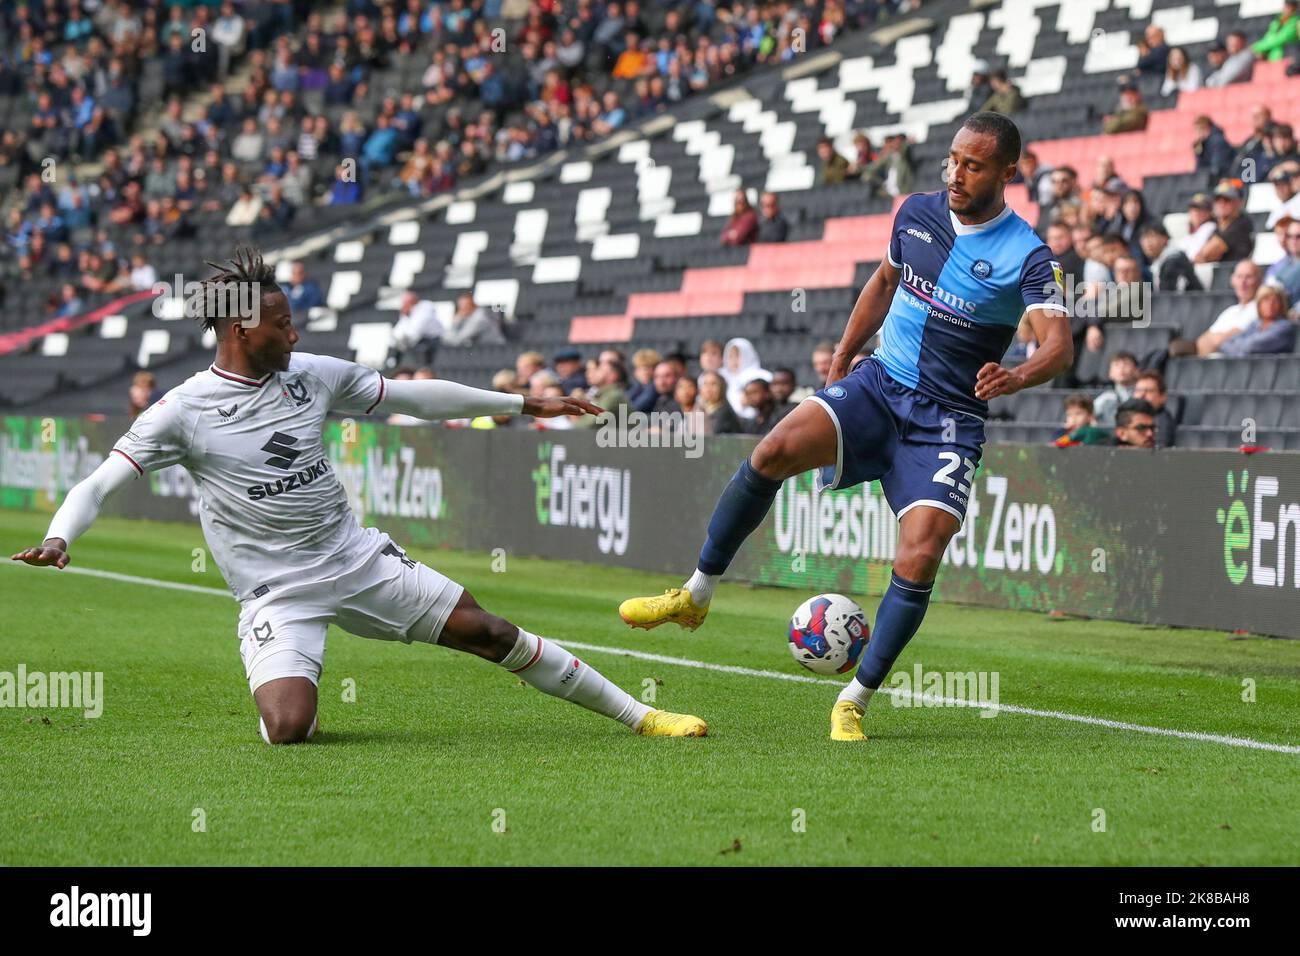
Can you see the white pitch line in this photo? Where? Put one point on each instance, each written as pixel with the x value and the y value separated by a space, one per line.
pixel 1222 739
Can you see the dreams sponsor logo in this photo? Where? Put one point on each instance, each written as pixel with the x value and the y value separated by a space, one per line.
pixel 934 294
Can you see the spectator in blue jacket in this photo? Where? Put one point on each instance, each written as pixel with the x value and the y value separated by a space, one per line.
pixel 1213 151
pixel 347 187
pixel 1272 333
pixel 380 146
pixel 303 293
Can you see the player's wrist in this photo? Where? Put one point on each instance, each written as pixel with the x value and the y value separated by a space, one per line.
pixel 57 543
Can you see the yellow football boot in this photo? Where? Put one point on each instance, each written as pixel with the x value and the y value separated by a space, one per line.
pixel 660 723
pixel 846 721
pixel 674 605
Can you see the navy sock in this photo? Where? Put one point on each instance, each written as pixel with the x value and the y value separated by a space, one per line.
pixel 900 614
pixel 744 503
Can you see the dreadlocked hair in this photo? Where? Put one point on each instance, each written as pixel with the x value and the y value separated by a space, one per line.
pixel 235 291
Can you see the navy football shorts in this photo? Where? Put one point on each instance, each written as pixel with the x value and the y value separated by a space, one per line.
pixel 922 452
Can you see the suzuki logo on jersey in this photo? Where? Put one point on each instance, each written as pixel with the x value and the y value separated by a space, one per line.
pixel 933 293
pixel 299 479
pixel 297 391
pixel 283 454
pixel 923 236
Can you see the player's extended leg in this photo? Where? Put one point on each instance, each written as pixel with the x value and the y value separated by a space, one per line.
pixel 287 707
pixel 555 671
pixel 923 535
pixel 803 440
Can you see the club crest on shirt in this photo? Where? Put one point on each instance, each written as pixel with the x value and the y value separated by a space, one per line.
pixel 296 392
pixel 981 269
pixel 1059 273
pixel 836 391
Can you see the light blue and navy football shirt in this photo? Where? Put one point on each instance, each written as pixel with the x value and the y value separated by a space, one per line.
pixel 961 296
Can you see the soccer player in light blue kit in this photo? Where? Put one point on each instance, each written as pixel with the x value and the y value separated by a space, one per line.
pixel 962 270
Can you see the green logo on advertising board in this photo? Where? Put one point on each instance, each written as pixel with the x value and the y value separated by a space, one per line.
pixel 542 482
pixel 1236 529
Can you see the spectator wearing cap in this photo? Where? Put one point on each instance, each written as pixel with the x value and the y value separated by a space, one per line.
pixel 1169 267
pixel 1272 333
pixel 1233 237
pixel 1200 225
pixel 742 227
pixel 1104 206
pixel 1285 178
pixel 569 369
pixel 1006 98
pixel 1153 52
pixel 1181 74
pixel 772 224
pixel 1246 280
pixel 1285 273
pixel 1131 114
pixel 1212 150
pixel 1150 388
pixel 1281 35
pixel 1232 61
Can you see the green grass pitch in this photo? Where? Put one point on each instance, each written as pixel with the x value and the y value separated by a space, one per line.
pixel 440 753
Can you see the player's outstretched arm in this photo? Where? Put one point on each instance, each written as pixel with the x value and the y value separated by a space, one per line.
pixel 435 399
pixel 1055 354
pixel 865 320
pixel 78 512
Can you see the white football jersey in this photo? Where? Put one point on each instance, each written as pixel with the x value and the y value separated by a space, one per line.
pixel 272 509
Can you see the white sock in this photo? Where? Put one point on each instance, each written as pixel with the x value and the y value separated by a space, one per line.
pixel 553 670
pixel 261 726
pixel 701 587
pixel 855 692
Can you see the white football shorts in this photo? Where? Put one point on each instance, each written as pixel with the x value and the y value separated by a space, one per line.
pixel 282 633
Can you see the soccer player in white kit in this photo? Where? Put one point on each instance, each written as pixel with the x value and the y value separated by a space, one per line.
pixel 248 429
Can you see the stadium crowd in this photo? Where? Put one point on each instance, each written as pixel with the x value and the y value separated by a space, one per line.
pixel 175 116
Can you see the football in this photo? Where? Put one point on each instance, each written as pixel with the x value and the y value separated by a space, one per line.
pixel 828 634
